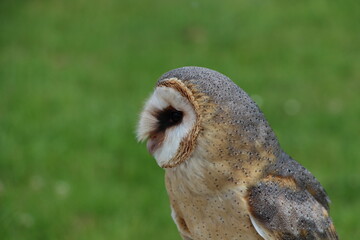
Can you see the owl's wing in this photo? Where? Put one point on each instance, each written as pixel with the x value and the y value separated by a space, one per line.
pixel 279 209
pixel 286 167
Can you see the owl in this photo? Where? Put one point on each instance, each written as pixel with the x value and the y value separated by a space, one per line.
pixel 225 172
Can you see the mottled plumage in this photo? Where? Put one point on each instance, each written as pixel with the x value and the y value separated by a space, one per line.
pixel 226 175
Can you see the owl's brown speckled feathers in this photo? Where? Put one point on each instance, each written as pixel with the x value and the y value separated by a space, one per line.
pixel 226 175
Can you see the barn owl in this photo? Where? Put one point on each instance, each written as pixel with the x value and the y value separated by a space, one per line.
pixel 225 173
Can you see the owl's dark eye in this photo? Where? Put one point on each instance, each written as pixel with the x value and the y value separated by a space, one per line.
pixel 168 117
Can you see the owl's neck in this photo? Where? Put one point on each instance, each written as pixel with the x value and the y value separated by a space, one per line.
pixel 203 175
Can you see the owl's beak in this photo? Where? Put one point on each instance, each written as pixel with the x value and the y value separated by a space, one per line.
pixel 153 144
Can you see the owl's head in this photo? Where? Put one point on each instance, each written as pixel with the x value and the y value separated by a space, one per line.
pixel 196 109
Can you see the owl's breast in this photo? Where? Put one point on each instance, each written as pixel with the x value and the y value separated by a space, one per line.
pixel 219 215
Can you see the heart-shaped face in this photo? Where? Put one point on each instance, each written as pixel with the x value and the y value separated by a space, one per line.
pixel 167 122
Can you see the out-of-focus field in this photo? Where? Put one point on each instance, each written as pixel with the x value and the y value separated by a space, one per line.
pixel 74 75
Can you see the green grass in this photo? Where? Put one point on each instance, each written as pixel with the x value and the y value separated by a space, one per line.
pixel 74 75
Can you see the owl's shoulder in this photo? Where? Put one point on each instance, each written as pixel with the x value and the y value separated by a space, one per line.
pixel 289 203
pixel 286 167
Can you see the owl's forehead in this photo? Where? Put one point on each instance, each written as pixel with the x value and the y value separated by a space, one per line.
pixel 198 76
pixel 221 89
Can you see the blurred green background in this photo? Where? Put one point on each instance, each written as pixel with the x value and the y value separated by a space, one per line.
pixel 74 76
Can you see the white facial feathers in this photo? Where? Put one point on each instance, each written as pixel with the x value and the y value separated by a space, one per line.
pixel 163 98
